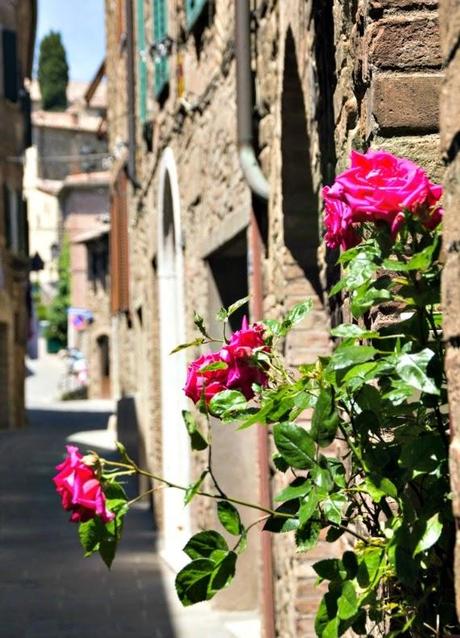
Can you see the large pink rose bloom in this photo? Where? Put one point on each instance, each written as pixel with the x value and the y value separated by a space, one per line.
pixel 378 187
pixel 79 489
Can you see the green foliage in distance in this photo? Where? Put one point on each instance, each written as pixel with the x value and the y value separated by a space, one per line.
pixel 53 72
pixel 57 311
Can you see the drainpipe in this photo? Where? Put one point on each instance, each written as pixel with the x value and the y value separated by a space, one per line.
pixel 244 101
pixel 131 106
pixel 259 187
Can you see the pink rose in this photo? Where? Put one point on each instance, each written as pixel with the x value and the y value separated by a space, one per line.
pixel 240 371
pixel 80 490
pixel 204 383
pixel 338 219
pixel 378 187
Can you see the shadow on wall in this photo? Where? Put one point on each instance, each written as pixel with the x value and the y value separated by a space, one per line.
pixel 300 200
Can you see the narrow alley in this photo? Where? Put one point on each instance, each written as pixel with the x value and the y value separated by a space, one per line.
pixel 48 589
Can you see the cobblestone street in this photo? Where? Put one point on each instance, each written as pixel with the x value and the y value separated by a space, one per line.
pixel 48 589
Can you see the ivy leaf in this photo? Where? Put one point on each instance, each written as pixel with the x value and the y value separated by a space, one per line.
pixel 347 604
pixel 197 342
pixel 412 368
pixel 295 445
pixel 229 518
pixel 197 440
pixel 203 544
pixel 191 491
pixel 325 419
pixel 432 532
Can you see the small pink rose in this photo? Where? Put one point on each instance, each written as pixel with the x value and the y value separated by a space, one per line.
pixel 80 490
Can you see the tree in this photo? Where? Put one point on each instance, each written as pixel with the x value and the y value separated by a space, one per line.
pixel 53 72
pixel 57 314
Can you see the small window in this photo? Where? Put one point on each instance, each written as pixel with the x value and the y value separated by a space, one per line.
pixel 160 28
pixel 193 9
pixel 15 221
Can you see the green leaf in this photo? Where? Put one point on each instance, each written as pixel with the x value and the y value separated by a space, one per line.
pixel 369 565
pixel 280 464
pixel 309 505
pixel 307 536
pixel 294 316
pixel 424 453
pixel 432 532
pixel 199 323
pixel 412 368
pixel 278 524
pixel 327 613
pixel 229 518
pixel 352 330
pixel 330 569
pixel 224 313
pixel 193 580
pixel 107 550
pixel 331 630
pixel 359 271
pixel 365 298
pixel 346 356
pixel 216 365
pixel 332 507
pixel 347 604
pixel 223 573
pixel 192 490
pixel 325 419
pixel 197 440
pixel 295 445
pixel 227 401
pixel 91 533
pixel 203 544
pixel 197 342
pixel 377 487
pixel 299 487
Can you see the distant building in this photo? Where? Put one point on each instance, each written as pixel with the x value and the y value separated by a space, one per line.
pixel 64 143
pixel 17 36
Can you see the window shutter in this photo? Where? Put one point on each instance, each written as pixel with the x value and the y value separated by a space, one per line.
pixel 160 31
pixel 193 9
pixel 142 67
pixel 9 64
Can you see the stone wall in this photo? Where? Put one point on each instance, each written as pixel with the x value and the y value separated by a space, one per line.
pixel 450 131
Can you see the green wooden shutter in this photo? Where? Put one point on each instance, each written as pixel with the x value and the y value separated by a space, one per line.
pixel 141 67
pixel 160 31
pixel 193 9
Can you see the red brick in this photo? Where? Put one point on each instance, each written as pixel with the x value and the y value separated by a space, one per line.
pixel 406 102
pixel 405 43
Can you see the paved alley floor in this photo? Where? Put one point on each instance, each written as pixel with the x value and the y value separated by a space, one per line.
pixel 47 588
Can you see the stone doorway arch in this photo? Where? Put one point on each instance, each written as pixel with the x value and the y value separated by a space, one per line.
pixel 175 444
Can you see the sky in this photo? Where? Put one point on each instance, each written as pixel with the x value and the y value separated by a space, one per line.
pixel 81 24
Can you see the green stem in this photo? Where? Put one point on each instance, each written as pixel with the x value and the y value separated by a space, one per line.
pixel 160 479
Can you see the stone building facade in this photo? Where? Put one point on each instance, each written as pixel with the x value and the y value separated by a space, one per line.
pixel 450 135
pixel 327 77
pixel 17 35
